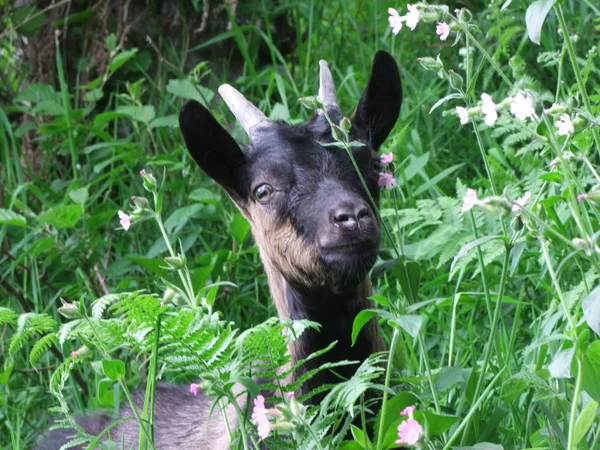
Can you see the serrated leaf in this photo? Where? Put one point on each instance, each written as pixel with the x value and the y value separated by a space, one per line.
pixel 470 246
pixel 8 217
pixel 62 216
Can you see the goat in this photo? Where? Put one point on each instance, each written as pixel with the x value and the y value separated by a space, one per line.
pixel 317 234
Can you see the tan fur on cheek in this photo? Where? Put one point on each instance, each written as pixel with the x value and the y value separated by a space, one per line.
pixel 285 250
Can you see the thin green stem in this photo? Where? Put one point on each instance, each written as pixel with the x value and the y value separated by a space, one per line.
pixel 388 374
pixel 428 373
pixel 572 445
pixel 573 58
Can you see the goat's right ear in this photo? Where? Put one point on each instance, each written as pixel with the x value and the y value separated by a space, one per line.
pixel 212 147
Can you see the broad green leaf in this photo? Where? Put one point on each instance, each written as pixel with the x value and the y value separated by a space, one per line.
pixel 591 371
pixel 166 121
pixel 113 369
pixel 584 422
pixel 106 393
pixel 139 113
pixel 360 321
pixel 409 323
pixel 437 423
pixel 79 196
pixel 535 18
pixel 360 437
pixel 8 217
pixel 239 227
pixel 29 19
pixel 393 408
pixel 122 58
pixel 62 216
pixel 591 310
pixel 207 196
pixel 481 446
pixel 186 89
pixel 409 276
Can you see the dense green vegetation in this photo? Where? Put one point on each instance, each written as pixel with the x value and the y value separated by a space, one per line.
pixel 492 314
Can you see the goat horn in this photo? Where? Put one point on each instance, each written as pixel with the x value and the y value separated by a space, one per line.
pixel 327 87
pixel 245 112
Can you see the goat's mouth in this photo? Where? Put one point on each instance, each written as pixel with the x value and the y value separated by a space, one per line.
pixel 350 258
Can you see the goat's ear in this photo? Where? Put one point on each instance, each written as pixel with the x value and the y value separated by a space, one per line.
pixel 212 147
pixel 379 105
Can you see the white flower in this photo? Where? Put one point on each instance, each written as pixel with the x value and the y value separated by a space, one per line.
pixel 395 20
pixel 564 125
pixel 520 202
pixel 442 30
pixel 125 220
pixel 470 199
pixel 412 17
pixel 488 108
pixel 463 114
pixel 522 107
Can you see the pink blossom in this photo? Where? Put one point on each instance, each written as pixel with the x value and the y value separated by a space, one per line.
pixel 564 125
pixel 408 411
pixel 386 180
pixel 74 354
pixel 520 202
pixel 463 114
pixel 488 108
pixel 409 432
pixel 442 30
pixel 469 200
pixel 522 107
pixel 194 388
pixel 259 416
pixel 395 20
pixel 387 158
pixel 125 220
pixel 581 197
pixel 289 395
pixel 412 16
pixel 143 172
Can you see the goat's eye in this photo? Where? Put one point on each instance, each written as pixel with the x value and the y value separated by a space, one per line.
pixel 263 192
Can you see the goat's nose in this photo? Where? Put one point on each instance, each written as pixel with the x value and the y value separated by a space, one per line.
pixel 349 216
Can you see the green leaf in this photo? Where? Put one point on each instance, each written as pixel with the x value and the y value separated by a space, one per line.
pixel 471 245
pixel 409 276
pixel 591 371
pixel 122 58
pixel 411 324
pixel 139 113
pixel 560 367
pixel 584 422
pixel 392 411
pixel 62 216
pixel 481 446
pixel 360 321
pixel 591 310
pixel 360 437
pixel 79 196
pixel 8 217
pixel 113 369
pixel 207 196
pixel 166 121
pixel 437 423
pixel 239 227
pixel 106 393
pixel 29 19
pixel 535 18
pixel 185 89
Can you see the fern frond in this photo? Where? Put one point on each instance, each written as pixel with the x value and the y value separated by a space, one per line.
pixel 41 346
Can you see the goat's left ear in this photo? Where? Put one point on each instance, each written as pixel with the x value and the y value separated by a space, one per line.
pixel 379 105
pixel 212 147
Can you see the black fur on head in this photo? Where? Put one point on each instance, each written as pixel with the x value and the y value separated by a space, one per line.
pixel 309 212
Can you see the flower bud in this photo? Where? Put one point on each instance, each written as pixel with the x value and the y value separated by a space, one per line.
pixel 429 63
pixel 581 243
pixel 345 125
pixel 338 134
pixel 593 196
pixel 456 81
pixel 313 102
pixel 70 310
pixel 148 180
pixel 556 110
pixel 175 262
pixel 140 202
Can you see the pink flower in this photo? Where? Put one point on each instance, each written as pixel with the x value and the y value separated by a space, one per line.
pixel 469 200
pixel 520 202
pixel 408 411
pixel 581 197
pixel 386 180
pixel 289 395
pixel 74 354
pixel 194 388
pixel 412 16
pixel 442 30
pixel 564 125
pixel 259 416
pixel 522 107
pixel 395 20
pixel 463 114
pixel 143 172
pixel 409 432
pixel 488 108
pixel 387 158
pixel 125 220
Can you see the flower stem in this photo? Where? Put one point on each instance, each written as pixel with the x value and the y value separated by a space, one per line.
pixel 388 375
pixel 571 443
